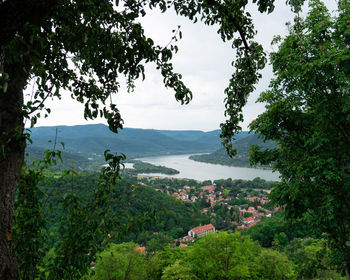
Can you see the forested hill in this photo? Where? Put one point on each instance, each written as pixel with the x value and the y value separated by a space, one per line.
pixel 242 159
pixel 93 139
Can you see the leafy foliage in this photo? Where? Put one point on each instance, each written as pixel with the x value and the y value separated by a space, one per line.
pixel 82 226
pixel 269 230
pixel 178 271
pixel 224 256
pixel 308 117
pixel 129 205
pixel 86 47
pixel 312 258
pixel 120 261
pixel 215 256
pixel 56 44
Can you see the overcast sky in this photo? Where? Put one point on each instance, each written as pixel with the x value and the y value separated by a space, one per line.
pixel 205 63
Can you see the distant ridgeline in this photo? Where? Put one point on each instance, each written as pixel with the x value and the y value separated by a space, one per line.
pixel 85 144
pixel 242 159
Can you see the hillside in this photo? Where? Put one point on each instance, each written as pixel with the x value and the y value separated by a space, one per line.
pixel 84 144
pixel 69 160
pixel 129 201
pixel 93 140
pixel 242 159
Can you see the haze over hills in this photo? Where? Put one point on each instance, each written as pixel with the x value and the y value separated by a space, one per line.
pixel 85 144
pixel 94 139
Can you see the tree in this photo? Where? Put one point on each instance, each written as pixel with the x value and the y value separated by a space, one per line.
pixel 274 265
pixel 120 262
pixel 312 259
pixel 224 256
pixel 159 242
pixel 178 271
pixel 83 47
pixel 158 262
pixel 307 115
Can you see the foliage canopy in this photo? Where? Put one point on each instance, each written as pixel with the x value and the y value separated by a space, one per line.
pixel 307 115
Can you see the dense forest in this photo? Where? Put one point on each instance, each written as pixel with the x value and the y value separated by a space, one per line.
pixel 78 214
pixel 242 158
pixel 90 141
pixel 146 226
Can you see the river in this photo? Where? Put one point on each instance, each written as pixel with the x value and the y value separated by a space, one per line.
pixel 206 171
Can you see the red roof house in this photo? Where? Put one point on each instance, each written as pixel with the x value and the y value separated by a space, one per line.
pixel 141 249
pixel 201 230
pixel 210 188
pixel 251 209
pixel 248 220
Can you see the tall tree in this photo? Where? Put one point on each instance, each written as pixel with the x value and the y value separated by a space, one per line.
pixel 224 256
pixel 83 47
pixel 120 261
pixel 308 109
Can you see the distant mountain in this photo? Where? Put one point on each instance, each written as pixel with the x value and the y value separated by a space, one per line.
pixel 242 145
pixel 93 140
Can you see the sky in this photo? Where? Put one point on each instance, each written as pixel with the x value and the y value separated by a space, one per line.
pixel 205 63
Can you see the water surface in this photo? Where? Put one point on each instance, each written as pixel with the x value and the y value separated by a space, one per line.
pixel 206 171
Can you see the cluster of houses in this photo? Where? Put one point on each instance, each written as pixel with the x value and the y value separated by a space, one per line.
pixel 254 213
pixel 208 192
pixel 250 214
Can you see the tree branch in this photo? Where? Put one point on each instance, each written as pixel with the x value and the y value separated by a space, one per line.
pixel 15 13
pixel 225 12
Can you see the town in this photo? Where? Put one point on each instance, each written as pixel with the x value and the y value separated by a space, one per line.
pixel 231 204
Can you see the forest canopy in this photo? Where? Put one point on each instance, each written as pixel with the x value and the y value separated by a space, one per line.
pixel 307 115
pixel 87 47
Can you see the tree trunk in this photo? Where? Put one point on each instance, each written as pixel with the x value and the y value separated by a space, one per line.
pixel 12 145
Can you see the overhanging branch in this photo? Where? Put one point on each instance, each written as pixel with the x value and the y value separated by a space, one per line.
pixel 233 20
pixel 15 13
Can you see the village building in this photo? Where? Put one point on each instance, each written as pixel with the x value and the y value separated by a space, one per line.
pixel 253 198
pixel 140 248
pixel 184 196
pixel 201 230
pixel 248 220
pixel 251 209
pixel 210 188
pixel 187 238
